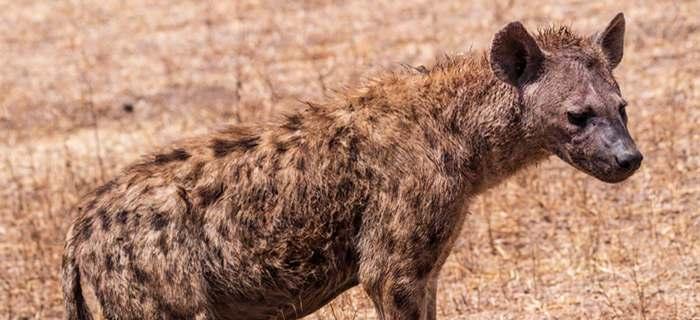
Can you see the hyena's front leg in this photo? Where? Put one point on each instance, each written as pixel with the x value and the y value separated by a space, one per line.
pixel 402 257
pixel 431 297
pixel 399 277
pixel 397 295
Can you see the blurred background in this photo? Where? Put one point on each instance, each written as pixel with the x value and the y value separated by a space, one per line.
pixel 88 86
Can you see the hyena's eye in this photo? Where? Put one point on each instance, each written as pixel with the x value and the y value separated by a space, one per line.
pixel 579 119
pixel 623 112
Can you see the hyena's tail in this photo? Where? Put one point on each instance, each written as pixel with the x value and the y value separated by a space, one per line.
pixel 76 309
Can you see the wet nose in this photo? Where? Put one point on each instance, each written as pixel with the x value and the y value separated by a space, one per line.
pixel 630 160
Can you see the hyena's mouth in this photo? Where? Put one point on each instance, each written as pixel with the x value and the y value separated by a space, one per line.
pixel 601 168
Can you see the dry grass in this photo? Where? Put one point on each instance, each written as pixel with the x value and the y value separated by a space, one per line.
pixel 551 243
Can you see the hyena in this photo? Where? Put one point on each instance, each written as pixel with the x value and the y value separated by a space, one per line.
pixel 368 188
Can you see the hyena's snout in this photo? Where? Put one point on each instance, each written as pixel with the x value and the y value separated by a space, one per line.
pixel 627 157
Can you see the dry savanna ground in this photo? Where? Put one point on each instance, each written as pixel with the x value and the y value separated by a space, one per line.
pixel 88 86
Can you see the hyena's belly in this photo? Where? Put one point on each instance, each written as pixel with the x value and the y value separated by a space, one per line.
pixel 280 303
pixel 284 272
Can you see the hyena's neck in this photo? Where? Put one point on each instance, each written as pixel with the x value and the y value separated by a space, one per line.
pixel 466 117
pixel 491 130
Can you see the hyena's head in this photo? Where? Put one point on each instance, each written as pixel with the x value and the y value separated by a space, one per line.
pixel 571 101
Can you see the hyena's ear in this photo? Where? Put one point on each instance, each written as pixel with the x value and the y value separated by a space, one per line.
pixel 515 56
pixel 612 40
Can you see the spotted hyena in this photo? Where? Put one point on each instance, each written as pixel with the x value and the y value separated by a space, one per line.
pixel 369 188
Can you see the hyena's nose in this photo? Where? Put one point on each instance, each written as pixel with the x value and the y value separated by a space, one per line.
pixel 629 160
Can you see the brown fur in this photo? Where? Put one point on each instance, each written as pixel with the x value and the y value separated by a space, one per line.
pixel 274 221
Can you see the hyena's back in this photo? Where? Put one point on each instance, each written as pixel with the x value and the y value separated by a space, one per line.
pixel 242 224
